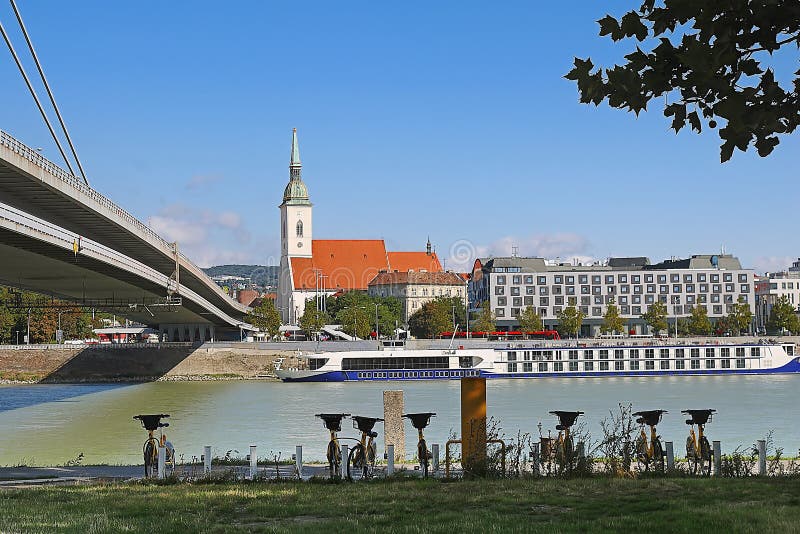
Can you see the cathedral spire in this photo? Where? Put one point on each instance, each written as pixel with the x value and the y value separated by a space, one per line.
pixel 296 191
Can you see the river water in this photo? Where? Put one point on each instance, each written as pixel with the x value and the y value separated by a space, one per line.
pixel 52 424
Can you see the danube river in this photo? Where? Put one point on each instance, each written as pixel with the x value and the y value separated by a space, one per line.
pixel 53 424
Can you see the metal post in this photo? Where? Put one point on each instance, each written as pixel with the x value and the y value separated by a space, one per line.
pixel 717 458
pixel 298 460
pixel 670 456
pixel 162 462
pixel 207 459
pixel 435 457
pixel 389 460
pixel 535 459
pixel 253 462
pixel 762 457
pixel 345 455
pixel 581 450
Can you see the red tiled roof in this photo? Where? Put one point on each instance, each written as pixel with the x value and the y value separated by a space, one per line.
pixel 416 277
pixel 417 261
pixel 347 263
pixel 352 263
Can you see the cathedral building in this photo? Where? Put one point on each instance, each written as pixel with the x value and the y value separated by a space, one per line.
pixel 312 268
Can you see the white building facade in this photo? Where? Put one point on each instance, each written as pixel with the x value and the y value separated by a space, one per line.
pixel 772 287
pixel 511 284
pixel 414 289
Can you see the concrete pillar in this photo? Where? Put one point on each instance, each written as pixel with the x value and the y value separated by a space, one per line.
pixel 435 457
pixel 762 457
pixel 253 462
pixel 345 455
pixel 298 460
pixel 162 462
pixel 473 425
pixel 717 446
pixel 670 456
pixel 393 423
pixel 207 459
pixel 389 460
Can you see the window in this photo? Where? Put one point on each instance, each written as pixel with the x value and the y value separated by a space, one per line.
pixel 648 279
pixel 544 301
pixel 694 354
pixel 559 300
pixel 649 299
pixel 609 279
pixel 727 277
pixel 558 366
pixel 625 289
pixel 687 278
pixel 573 360
pixel 623 300
pixel 622 278
pixel 662 278
pixel 680 363
pixel 527 367
pixel 663 289
pixel 637 299
pixel 514 291
pixel 740 364
pixel 597 290
pixel 634 359
pixel 299 228
pixel 636 279
pixel 664 358
pixel 543 290
pixel 530 290
pixel 651 288
pixel 755 352
pixel 583 279
pixel 501 301
pixel 598 300
pixel 570 290
pixel 596 279
pixel 649 359
pixel 690 288
pixel 570 279
pixel 725 353
pixel 516 279
pixel 514 312
pixel 500 312
pixel 588 365
pixel 501 280
pixel 597 311
pixel 730 288
pixel 541 280
pixel 499 290
pixel 636 310
pixel 585 290
pixel 528 279
pixel 603 360
pixel 701 277
pixel 619 363
pixel 512 367
pixel 542 367
pixel 676 288
pixel 744 288
pixel 714 278
pixel 558 279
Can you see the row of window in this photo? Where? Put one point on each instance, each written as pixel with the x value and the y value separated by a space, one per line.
pixel 620 365
pixel 633 354
pixel 623 289
pixel 620 278
pixel 427 362
pixel 418 374
pixel 622 300
pixel 597 311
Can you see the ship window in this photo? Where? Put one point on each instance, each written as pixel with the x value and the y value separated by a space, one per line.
pixel 634 357
pixel 680 364
pixel 755 352
pixel 316 363
pixel 695 363
pixel 664 364
pixel 542 367
pixel 527 367
pixel 740 363
pixel 710 364
pixel 558 366
pixel 726 363
pixel 512 368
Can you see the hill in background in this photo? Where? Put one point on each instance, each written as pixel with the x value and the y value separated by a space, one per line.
pixel 260 275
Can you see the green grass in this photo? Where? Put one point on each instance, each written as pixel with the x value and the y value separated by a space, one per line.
pixel 578 505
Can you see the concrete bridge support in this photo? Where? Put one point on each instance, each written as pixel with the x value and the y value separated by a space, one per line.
pixel 187 332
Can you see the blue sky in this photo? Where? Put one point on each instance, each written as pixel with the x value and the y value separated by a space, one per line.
pixel 448 119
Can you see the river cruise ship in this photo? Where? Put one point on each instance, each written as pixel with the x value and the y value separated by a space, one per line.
pixel 538 360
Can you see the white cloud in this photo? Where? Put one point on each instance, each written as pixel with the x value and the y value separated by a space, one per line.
pixel 205 236
pixel 764 264
pixel 567 247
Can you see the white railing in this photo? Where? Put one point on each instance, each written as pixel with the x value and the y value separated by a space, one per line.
pixel 33 156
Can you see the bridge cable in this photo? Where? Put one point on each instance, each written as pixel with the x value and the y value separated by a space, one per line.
pixel 35 97
pixel 47 87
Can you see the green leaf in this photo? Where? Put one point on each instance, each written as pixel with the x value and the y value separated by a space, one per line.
pixel 694 120
pixel 608 26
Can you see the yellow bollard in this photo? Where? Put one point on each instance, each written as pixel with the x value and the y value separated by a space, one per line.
pixel 473 425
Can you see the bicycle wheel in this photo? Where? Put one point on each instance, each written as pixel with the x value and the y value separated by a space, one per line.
pixel 150 458
pixel 422 452
pixel 641 453
pixel 369 464
pixel 355 463
pixel 658 456
pixel 334 459
pixel 705 457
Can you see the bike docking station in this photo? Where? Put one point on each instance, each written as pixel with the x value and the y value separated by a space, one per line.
pixel 474 440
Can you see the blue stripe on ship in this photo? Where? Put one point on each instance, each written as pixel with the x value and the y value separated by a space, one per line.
pixel 368 376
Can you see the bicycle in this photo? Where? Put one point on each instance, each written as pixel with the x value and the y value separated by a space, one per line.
pixel 333 422
pixel 650 453
pixel 559 451
pixel 362 457
pixel 420 421
pixel 151 423
pixel 698 450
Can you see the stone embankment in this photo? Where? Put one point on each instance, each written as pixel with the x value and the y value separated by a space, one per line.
pixel 99 363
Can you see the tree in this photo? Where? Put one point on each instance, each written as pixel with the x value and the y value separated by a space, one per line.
pixel 570 320
pixel 529 320
pixel 265 317
pixel 699 325
pixel 356 321
pixel 313 319
pixel 782 316
pixel 486 320
pixel 740 318
pixel 705 59
pixel 656 316
pixel 612 322
pixel 430 321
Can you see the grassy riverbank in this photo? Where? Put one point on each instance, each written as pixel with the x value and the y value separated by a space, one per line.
pixel 597 504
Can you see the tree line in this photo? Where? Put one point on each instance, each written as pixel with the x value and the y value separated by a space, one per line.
pixel 76 322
